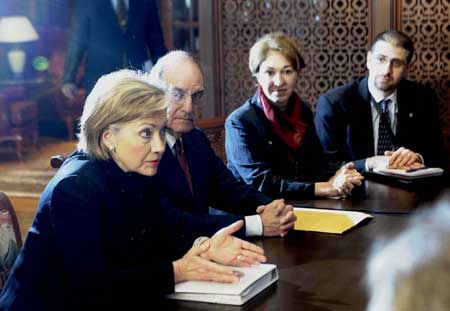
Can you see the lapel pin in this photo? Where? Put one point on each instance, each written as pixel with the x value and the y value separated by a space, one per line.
pixel 411 114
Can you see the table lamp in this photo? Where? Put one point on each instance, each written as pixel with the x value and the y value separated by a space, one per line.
pixel 17 29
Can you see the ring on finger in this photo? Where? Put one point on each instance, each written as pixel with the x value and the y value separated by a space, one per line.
pixel 239 257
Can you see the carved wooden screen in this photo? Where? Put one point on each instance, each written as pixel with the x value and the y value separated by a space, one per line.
pixel 332 35
pixel 428 24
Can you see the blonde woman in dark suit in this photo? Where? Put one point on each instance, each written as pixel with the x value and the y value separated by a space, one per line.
pixel 100 238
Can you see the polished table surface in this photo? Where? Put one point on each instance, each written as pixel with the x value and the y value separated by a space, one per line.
pixel 324 271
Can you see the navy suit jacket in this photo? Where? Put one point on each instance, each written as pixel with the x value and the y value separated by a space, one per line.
pixel 95 31
pixel 213 184
pixel 258 157
pixel 99 240
pixel 344 123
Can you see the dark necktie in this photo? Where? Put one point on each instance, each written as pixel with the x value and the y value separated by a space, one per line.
pixel 385 134
pixel 122 14
pixel 183 162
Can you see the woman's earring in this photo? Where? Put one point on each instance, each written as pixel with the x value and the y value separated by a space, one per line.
pixel 112 149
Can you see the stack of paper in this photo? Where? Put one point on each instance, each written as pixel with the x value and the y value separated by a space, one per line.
pixel 328 221
pixel 254 280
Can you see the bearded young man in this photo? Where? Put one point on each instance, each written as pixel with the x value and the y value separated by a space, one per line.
pixel 382 119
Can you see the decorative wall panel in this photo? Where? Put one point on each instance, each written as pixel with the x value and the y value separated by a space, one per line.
pixel 332 35
pixel 427 22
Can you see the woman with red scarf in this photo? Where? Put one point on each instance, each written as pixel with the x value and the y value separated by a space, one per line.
pixel 271 141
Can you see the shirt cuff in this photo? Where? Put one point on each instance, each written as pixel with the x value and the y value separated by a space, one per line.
pixel 253 225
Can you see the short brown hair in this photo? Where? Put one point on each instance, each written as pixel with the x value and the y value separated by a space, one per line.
pixel 117 97
pixel 274 42
pixel 396 38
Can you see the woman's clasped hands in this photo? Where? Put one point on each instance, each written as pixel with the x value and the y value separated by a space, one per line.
pixel 205 261
pixel 345 179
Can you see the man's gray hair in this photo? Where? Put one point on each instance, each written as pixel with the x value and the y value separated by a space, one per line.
pixel 412 271
pixel 170 59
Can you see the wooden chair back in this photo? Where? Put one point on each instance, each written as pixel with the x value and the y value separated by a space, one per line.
pixel 10 238
pixel 215 130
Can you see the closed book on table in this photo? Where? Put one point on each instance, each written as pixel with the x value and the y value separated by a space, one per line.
pixel 412 173
pixel 254 280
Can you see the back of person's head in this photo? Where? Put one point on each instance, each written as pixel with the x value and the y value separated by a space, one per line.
pixel 396 38
pixel 412 271
pixel 171 61
pixel 276 41
pixel 120 96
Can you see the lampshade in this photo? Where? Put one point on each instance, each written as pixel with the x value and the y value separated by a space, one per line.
pixel 15 29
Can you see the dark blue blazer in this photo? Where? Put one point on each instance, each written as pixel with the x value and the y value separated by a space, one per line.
pixel 259 158
pixel 344 123
pixel 96 33
pixel 99 240
pixel 213 184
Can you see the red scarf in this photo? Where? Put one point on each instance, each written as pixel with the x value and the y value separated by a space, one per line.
pixel 287 127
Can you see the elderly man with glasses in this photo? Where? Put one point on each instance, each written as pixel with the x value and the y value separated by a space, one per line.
pixel 190 174
pixel 382 119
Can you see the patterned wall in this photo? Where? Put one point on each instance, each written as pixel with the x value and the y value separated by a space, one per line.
pixel 427 22
pixel 332 35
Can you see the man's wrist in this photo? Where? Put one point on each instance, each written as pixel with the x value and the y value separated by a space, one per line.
pixel 177 275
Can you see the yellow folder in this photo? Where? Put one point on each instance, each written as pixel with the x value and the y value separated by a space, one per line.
pixel 327 221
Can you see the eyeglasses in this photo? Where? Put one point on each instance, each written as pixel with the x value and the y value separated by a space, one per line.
pixel 394 62
pixel 179 96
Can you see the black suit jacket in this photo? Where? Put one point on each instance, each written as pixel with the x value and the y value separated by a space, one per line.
pixel 344 123
pixel 213 184
pixel 99 240
pixel 96 33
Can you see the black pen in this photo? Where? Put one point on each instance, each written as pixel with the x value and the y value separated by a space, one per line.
pixel 416 169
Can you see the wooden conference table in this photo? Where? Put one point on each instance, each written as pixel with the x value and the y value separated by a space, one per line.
pixel 327 272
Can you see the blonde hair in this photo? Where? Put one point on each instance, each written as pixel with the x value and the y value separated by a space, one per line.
pixel 274 42
pixel 117 97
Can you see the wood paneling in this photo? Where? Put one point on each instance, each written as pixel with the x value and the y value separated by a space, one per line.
pixel 332 35
pixel 428 24
pixel 334 45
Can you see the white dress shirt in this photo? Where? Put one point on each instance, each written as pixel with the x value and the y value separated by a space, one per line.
pixel 253 223
pixel 114 4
